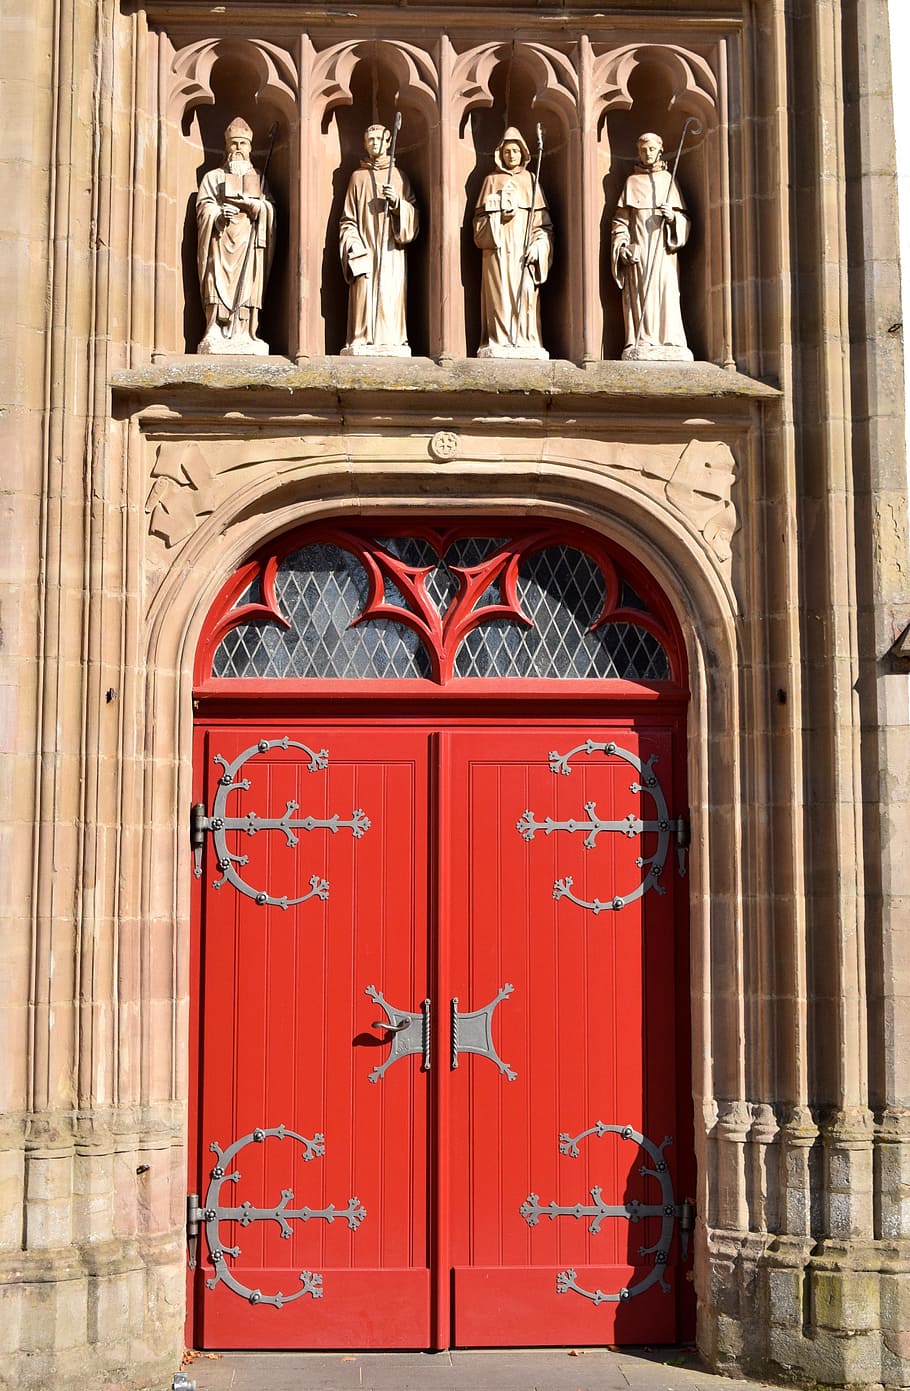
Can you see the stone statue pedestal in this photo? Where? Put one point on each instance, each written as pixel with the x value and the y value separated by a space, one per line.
pixel 376 350
pixel 236 345
pixel 521 350
pixel 656 352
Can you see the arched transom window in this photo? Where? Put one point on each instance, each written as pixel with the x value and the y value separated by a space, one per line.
pixel 443 603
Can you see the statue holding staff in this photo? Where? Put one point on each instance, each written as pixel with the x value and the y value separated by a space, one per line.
pixel 378 221
pixel 512 228
pixel 235 225
pixel 650 226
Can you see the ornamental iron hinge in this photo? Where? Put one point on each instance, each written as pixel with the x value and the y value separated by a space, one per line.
pixel 195 1216
pixel 682 834
pixel 213 1212
pixel 666 1210
pixel 632 826
pixel 289 824
pixel 686 1216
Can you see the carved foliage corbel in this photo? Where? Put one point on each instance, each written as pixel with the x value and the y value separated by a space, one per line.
pixel 182 491
pixel 697 482
pixel 700 487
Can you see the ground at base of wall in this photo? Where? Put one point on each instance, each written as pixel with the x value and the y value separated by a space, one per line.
pixel 505 1369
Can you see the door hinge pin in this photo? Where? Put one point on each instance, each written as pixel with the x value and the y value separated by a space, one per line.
pixel 682 831
pixel 686 1214
pixel 195 1215
pixel 199 824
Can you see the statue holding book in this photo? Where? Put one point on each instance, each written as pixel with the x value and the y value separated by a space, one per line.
pixel 235 221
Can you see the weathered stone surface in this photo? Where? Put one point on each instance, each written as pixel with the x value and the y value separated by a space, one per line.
pixel 415 376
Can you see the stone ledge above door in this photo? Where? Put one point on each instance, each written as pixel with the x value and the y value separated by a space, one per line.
pixel 457 386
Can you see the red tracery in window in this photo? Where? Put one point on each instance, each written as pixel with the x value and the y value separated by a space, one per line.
pixel 441 631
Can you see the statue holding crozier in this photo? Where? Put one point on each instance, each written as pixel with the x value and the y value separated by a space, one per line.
pixel 235 222
pixel 650 227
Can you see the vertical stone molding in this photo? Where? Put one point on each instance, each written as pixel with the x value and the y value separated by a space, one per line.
pixel 763 1162
pixel 847 1142
pixel 799 1176
pixel 892 1175
pixel 731 1130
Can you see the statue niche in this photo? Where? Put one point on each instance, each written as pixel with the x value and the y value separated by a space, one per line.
pixel 513 230
pixel 235 222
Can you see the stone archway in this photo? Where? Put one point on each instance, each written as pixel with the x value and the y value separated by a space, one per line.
pixel 575 491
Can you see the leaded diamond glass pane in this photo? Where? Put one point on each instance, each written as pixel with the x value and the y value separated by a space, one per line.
pixel 471 551
pixel 562 590
pixel 442 586
pixel 413 550
pixel 252 594
pixel 321 589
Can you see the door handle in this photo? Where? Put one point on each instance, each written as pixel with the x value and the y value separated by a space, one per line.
pixel 409 1030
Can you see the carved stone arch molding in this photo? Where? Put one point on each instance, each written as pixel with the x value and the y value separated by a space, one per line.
pixel 332 70
pixel 555 77
pixel 191 75
pixel 285 487
pixel 694 479
pixel 694 84
pixel 583 495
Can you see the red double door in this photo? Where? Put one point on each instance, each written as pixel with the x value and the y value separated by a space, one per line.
pixel 439 1090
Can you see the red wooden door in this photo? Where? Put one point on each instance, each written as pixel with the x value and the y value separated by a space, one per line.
pixel 588 1030
pixel 286 1041
pixel 468 1137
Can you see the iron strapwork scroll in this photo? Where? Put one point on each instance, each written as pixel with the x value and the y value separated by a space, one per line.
pixel 213 1213
pixel 631 826
pixel 667 1210
pixel 219 823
